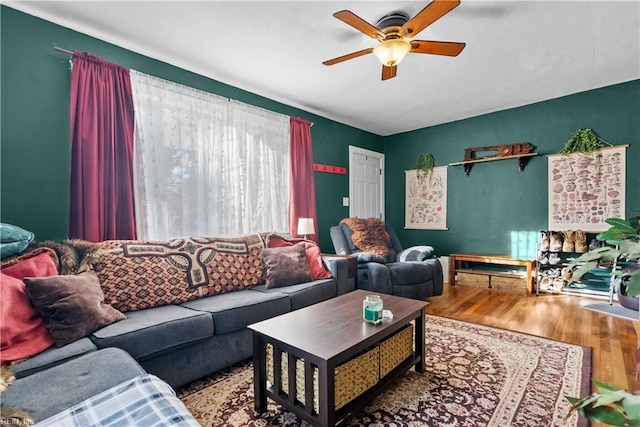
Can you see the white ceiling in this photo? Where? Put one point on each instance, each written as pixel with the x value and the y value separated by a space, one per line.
pixel 517 53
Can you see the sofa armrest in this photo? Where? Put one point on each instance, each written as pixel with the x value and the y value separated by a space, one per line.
pixel 365 257
pixel 48 392
pixel 339 269
pixel 415 253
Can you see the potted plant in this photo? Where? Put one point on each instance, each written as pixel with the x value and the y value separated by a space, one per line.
pixel 425 165
pixel 609 405
pixel 612 405
pixel 582 141
pixel 622 243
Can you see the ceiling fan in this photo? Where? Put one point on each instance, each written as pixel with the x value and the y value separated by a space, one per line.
pixel 393 30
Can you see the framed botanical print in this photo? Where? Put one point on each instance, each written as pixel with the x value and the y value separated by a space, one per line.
pixel 426 199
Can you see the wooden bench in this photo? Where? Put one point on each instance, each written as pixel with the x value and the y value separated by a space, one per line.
pixel 458 259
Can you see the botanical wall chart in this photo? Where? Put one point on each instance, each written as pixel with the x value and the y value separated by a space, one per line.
pixel 586 189
pixel 426 200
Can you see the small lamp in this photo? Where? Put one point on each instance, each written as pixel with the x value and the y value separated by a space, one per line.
pixel 305 227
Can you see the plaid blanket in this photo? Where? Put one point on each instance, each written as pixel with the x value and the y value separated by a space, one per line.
pixel 142 401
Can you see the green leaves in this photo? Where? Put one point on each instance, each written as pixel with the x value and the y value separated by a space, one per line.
pixel 582 141
pixel 626 239
pixel 620 223
pixel 425 163
pixel 605 253
pixel 582 270
pixel 611 405
pixel 633 285
pixel 620 229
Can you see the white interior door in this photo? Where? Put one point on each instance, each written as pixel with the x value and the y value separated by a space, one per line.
pixel 366 183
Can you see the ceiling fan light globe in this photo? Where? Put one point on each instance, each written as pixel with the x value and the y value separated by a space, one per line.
pixel 391 52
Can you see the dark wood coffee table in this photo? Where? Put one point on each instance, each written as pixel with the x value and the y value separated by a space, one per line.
pixel 324 336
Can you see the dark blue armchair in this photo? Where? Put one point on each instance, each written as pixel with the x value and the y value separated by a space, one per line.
pixel 406 272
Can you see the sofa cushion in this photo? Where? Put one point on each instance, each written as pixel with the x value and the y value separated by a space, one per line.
pixel 142 274
pixel 147 332
pixel 305 294
pixel 72 306
pixel 23 332
pixel 235 310
pixel 286 266
pixel 48 392
pixel 53 356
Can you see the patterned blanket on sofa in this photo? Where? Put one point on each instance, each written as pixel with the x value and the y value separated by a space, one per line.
pixel 135 275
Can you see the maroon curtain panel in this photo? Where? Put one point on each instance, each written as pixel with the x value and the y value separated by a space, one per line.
pixel 302 200
pixel 101 120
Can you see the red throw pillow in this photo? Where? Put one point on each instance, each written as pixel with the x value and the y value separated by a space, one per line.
pixel 22 329
pixel 312 251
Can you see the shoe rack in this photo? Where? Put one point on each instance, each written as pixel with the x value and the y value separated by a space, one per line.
pixel 556 249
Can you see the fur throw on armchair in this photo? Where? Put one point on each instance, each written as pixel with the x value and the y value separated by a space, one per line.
pixel 369 235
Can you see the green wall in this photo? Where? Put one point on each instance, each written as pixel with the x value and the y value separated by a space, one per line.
pixel 35 125
pixel 497 209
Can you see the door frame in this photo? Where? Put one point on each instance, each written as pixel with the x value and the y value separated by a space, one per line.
pixel 364 152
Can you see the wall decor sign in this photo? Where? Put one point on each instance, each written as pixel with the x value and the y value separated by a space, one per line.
pixel 426 200
pixel 586 189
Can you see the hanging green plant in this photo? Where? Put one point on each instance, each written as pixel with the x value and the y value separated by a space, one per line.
pixel 425 165
pixel 582 141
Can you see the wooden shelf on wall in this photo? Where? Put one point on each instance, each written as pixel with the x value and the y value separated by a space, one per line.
pixel 522 161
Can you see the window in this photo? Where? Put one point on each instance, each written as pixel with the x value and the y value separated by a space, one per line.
pixel 206 165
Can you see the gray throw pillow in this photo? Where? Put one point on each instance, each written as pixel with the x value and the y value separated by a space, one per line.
pixel 72 306
pixel 286 266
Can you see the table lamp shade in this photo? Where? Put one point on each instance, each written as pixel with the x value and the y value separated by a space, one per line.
pixel 305 227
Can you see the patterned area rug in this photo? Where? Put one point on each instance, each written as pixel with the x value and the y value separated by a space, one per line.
pixel 476 376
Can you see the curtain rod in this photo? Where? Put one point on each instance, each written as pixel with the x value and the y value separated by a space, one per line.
pixel 69 52
pixel 59 49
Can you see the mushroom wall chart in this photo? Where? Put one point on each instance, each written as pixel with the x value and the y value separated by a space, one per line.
pixel 586 189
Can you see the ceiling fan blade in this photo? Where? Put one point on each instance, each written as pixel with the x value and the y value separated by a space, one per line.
pixel 389 72
pixel 359 24
pixel 427 16
pixel 348 56
pixel 437 48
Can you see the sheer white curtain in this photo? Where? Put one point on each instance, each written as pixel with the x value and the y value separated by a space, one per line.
pixel 205 165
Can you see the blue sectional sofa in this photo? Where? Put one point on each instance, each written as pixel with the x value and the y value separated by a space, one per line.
pixel 177 343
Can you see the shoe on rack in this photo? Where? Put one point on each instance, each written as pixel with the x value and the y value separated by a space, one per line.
pixel 581 242
pixel 567 273
pixel 544 241
pixel 543 257
pixel 555 241
pixel 554 258
pixel 558 284
pixel 568 244
pixel 545 284
pixel 595 244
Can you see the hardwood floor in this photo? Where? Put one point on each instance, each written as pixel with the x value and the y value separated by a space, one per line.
pixel 613 340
